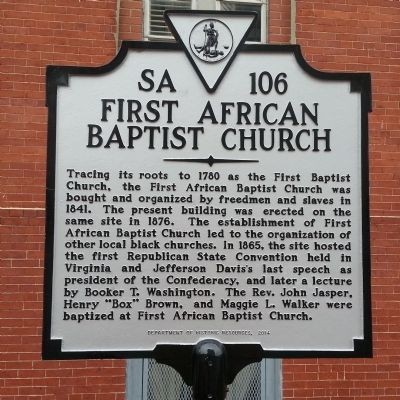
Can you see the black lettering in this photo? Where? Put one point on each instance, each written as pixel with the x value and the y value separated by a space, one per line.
pixel 115 137
pixel 166 82
pixel 208 113
pixel 94 137
pixel 106 107
pixel 147 75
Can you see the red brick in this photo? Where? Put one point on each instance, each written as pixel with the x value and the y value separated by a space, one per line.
pixel 341 35
pixel 32 33
pixel 353 35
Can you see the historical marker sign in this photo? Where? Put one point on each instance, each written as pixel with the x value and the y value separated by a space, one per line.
pixel 207 189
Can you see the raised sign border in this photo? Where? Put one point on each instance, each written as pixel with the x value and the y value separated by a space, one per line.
pixel 59 76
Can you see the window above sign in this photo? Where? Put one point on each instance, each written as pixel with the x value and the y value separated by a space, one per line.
pixel 155 27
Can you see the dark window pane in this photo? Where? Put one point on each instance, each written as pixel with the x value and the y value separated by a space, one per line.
pixel 255 34
pixel 157 7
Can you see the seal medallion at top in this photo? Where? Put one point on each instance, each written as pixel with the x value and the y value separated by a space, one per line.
pixel 211 40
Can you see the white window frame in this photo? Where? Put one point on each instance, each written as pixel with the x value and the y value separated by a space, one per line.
pixel 205 5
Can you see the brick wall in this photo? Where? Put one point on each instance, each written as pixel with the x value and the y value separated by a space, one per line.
pixel 279 21
pixel 363 35
pixel 33 34
pixel 130 20
pixel 340 35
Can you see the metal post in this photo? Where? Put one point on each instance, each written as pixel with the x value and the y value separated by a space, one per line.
pixel 209 366
pixel 209 371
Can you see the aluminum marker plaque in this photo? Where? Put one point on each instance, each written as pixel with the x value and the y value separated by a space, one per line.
pixel 207 189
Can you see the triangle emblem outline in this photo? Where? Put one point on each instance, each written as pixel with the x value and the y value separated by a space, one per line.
pixel 182 24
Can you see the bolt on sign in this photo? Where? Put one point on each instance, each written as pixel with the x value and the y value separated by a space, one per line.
pixel 207 188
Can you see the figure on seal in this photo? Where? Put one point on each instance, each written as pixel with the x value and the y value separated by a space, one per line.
pixel 209 48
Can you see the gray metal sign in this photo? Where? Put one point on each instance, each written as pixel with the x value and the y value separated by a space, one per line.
pixel 207 189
